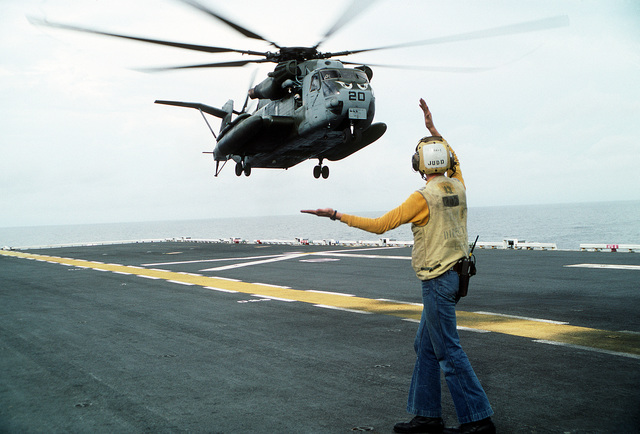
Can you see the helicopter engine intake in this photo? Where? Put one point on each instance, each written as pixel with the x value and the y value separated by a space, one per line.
pixel 271 87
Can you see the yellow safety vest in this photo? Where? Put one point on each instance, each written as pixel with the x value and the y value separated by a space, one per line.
pixel 439 244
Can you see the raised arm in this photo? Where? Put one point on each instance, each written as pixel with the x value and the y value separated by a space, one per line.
pixel 428 118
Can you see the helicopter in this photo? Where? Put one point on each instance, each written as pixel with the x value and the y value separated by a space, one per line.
pixel 311 106
pixel 307 109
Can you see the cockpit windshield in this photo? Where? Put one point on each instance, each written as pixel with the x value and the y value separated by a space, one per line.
pixel 344 75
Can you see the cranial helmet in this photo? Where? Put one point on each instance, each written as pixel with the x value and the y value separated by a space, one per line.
pixel 432 155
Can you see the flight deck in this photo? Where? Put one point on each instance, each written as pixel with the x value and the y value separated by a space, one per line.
pixel 237 338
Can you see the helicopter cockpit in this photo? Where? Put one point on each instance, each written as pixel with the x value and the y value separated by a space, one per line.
pixel 333 81
pixel 345 75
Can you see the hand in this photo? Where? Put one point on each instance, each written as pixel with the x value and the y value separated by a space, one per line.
pixel 428 118
pixel 323 212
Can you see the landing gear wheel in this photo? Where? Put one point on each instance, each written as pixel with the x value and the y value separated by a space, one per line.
pixel 325 172
pixel 247 169
pixel 320 170
pixel 239 168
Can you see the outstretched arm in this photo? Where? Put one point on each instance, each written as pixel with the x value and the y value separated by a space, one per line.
pixel 324 212
pixel 428 118
pixel 413 210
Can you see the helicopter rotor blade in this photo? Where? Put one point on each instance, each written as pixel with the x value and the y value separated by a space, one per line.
pixel 524 27
pixel 455 69
pixel 204 48
pixel 352 11
pixel 244 31
pixel 232 64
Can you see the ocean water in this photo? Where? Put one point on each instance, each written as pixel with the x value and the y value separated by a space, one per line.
pixel 567 225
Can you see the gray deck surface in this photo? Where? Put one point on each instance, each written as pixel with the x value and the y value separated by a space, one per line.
pixel 85 350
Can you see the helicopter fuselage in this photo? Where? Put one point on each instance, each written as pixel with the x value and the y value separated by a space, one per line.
pixel 325 113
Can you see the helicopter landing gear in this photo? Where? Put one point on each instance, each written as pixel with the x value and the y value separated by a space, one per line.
pixel 241 167
pixel 351 135
pixel 321 170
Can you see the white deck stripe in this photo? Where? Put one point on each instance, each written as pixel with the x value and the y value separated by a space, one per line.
pixel 330 292
pixel 606 266
pixel 355 255
pixel 249 264
pixel 324 306
pixel 526 318
pixel 288 300
pixel 181 283
pixel 581 347
pixel 246 258
pixel 221 290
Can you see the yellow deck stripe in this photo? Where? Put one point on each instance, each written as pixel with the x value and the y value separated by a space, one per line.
pixel 622 342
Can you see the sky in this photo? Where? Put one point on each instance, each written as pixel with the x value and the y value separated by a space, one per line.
pixel 555 118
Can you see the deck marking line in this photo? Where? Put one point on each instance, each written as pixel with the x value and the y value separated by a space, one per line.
pixel 181 282
pixel 248 258
pixel 399 301
pixel 324 306
pixel 270 285
pixel 330 292
pixel 352 250
pixel 468 329
pixel 287 300
pixel 355 255
pixel 249 264
pixel 613 341
pixel 521 317
pixel 239 258
pixel 630 332
pixel 606 266
pixel 585 348
pixel 294 255
pixel 221 290
pixel 228 279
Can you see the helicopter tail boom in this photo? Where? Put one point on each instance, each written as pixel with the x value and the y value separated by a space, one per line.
pixel 220 113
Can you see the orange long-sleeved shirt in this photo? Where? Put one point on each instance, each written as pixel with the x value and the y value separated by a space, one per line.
pixel 413 210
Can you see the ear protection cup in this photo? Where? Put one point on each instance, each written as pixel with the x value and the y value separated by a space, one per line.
pixel 452 162
pixel 415 161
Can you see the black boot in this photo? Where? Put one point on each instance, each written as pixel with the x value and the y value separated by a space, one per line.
pixel 420 424
pixel 484 426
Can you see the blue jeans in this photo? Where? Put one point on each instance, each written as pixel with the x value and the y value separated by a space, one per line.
pixel 437 346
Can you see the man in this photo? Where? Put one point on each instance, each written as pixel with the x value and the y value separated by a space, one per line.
pixel 438 214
